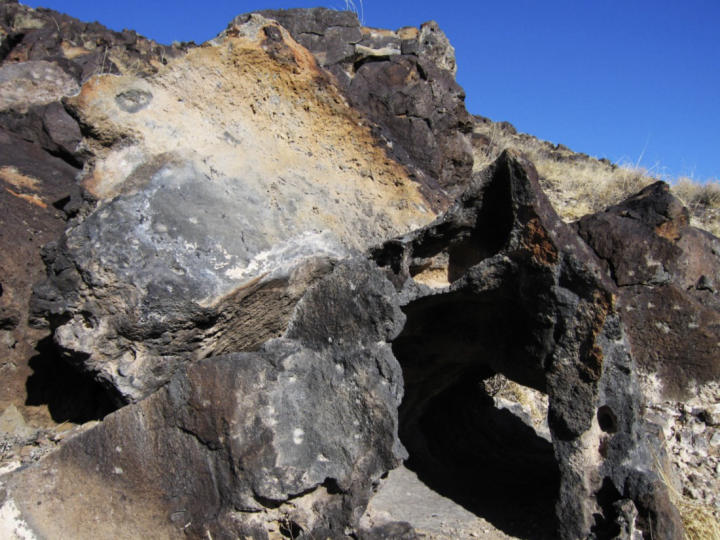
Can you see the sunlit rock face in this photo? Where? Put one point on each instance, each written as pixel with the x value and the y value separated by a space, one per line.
pixel 500 285
pixel 218 181
pixel 268 255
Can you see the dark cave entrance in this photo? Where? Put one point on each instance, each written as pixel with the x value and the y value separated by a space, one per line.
pixel 70 396
pixel 469 383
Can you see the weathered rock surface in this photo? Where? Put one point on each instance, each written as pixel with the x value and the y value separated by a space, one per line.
pixel 217 213
pixel 666 271
pixel 42 58
pixel 290 437
pixel 501 285
pixel 208 206
pixel 405 82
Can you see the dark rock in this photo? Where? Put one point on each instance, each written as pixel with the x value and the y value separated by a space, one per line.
pixel 665 270
pixel 293 435
pixel 79 49
pixel 524 297
pixel 201 251
pixel 49 126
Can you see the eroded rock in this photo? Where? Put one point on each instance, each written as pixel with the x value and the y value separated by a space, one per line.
pixel 404 81
pixel 525 297
pixel 665 270
pixel 209 208
pixel 293 435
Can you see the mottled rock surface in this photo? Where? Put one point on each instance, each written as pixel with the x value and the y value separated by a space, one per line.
pixel 208 206
pixel 218 223
pixel 44 57
pixel 405 82
pixel 288 438
pixel 666 272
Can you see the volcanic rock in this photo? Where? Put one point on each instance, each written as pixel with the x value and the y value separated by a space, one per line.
pixel 291 436
pixel 242 246
pixel 405 82
pixel 207 207
pixel 665 270
pixel 501 285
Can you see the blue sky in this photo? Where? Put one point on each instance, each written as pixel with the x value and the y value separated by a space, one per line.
pixel 633 81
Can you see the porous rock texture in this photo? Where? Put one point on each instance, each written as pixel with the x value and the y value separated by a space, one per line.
pixel 288 438
pixel 405 82
pixel 501 285
pixel 44 57
pixel 666 272
pixel 253 257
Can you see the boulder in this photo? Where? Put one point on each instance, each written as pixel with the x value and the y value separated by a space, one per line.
pixel 666 272
pixel 209 207
pixel 288 439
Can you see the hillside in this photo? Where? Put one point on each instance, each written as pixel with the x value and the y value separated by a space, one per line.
pixel 283 285
pixel 578 184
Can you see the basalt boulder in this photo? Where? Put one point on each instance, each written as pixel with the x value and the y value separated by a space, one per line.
pixel 667 273
pixel 287 440
pixel 501 285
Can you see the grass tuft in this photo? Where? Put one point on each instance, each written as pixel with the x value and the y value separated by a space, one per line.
pixel 698 519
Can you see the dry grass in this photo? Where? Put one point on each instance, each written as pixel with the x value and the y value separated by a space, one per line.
pixel 578 184
pixel 699 520
pixel 703 201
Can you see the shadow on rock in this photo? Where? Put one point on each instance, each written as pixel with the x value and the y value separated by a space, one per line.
pixel 69 395
pixel 487 460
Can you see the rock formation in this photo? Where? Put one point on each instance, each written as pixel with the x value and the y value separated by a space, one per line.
pixel 269 257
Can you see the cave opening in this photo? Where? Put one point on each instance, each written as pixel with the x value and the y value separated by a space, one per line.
pixel 70 396
pixel 474 413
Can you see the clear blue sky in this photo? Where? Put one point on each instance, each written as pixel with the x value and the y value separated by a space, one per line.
pixel 627 80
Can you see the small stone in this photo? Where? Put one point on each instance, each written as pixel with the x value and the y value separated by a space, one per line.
pixel 715 439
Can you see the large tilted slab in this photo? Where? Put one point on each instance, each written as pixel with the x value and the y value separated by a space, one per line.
pixel 216 180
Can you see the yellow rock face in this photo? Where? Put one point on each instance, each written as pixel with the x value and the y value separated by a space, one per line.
pixel 254 113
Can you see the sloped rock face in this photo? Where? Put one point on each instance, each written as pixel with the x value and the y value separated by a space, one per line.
pixel 289 438
pixel 405 82
pixel 214 274
pixel 501 285
pixel 208 207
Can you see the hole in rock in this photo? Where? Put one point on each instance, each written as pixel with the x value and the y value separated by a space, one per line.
pixel 474 414
pixel 606 419
pixel 290 529
pixel 70 396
